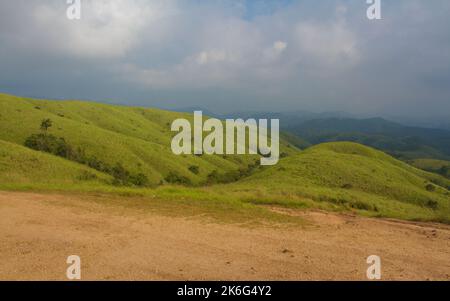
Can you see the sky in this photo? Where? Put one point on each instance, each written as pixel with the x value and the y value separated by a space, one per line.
pixel 233 55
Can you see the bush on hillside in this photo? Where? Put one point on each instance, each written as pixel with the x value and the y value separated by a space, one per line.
pixel 222 178
pixel 96 164
pixel 231 176
pixel 284 155
pixel 194 169
pixel 49 144
pixel 139 180
pixel 120 174
pixel 347 186
pixel 174 178
pixel 430 187
pixel 123 177
pixel 432 204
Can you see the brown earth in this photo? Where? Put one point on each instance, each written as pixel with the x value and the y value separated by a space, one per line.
pixel 39 231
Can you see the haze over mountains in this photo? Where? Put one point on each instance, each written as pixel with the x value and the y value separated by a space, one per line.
pixel 295 116
pixel 402 141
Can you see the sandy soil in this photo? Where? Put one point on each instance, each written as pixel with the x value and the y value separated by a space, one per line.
pixel 39 231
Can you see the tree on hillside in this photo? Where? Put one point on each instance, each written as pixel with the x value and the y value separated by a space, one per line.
pixel 46 124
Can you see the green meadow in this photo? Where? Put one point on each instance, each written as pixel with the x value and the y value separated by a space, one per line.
pixel 341 176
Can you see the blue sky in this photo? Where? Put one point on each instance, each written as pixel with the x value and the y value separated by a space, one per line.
pixel 228 55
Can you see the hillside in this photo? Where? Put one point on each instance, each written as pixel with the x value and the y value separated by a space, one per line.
pixel 349 175
pixel 401 141
pixel 330 176
pixel 137 138
pixel 22 168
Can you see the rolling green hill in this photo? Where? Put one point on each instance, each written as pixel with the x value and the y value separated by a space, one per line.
pixel 137 138
pixel 352 176
pixel 330 176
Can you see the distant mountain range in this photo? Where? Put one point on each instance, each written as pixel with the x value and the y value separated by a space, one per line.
pixel 403 142
pixel 303 128
pixel 287 119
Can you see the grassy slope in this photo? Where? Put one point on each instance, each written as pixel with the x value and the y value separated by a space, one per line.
pixel 22 168
pixel 138 138
pixel 332 176
pixel 353 176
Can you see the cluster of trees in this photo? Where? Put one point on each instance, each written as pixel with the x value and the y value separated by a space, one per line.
pixel 124 177
pixel 58 146
pixel 231 176
pixel 174 178
pixel 214 177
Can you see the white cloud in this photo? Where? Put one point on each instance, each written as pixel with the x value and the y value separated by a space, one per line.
pixel 107 29
pixel 328 44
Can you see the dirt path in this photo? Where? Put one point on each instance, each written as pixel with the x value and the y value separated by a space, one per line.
pixel 38 232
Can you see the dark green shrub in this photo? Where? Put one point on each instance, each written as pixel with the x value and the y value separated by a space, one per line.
pixel 120 174
pixel 139 180
pixel 49 144
pixel 432 204
pixel 174 178
pixel 231 176
pixel 95 163
pixel 78 155
pixel 361 206
pixel 194 169
pixel 430 187
pixel 123 177
pixel 347 186
pixel 284 155
pixel 213 177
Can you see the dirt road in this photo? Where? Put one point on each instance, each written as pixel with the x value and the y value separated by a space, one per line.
pixel 39 231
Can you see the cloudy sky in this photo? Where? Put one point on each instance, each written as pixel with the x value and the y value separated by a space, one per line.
pixel 232 55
